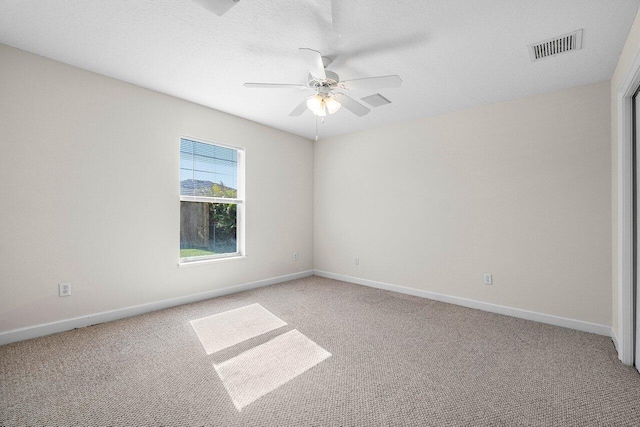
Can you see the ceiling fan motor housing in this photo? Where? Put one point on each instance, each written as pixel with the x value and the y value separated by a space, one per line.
pixel 324 86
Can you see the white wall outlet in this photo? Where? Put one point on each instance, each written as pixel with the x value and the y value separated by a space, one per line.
pixel 295 256
pixel 64 289
pixel 356 261
pixel 488 278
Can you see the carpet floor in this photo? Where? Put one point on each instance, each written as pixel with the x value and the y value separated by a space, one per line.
pixel 394 360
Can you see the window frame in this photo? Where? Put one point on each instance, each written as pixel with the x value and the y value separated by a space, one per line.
pixel 239 201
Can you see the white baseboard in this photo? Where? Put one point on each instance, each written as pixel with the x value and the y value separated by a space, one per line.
pixel 121 313
pixel 579 325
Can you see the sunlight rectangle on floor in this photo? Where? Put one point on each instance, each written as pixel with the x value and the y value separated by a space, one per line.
pixel 264 368
pixel 232 327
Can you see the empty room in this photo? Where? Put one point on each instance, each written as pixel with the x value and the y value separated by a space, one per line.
pixel 319 213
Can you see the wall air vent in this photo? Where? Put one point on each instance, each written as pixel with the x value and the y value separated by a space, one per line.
pixel 556 46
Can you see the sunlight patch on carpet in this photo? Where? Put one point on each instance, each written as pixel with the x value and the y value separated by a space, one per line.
pixel 232 327
pixel 256 372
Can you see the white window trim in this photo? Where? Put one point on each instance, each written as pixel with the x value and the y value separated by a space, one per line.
pixel 240 202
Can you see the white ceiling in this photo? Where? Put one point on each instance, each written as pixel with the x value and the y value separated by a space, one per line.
pixel 451 54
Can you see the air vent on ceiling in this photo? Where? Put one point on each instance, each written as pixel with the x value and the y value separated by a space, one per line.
pixel 556 45
pixel 376 100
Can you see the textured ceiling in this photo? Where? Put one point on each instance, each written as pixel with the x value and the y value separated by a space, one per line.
pixel 451 54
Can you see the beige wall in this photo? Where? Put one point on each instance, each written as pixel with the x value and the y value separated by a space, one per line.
pixel 89 173
pixel 629 51
pixel 519 189
pixel 89 187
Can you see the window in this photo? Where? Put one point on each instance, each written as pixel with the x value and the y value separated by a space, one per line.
pixel 211 200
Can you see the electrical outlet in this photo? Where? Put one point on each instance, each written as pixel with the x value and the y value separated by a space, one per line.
pixel 64 289
pixel 295 256
pixel 488 279
pixel 356 261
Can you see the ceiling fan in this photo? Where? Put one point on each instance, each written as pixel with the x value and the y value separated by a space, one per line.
pixel 327 84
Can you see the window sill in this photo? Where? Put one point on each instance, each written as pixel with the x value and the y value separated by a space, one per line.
pixel 210 260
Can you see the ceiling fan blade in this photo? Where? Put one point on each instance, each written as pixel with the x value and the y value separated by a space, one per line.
pixel 351 105
pixel 313 59
pixel 274 86
pixel 299 109
pixel 372 83
pixel 219 7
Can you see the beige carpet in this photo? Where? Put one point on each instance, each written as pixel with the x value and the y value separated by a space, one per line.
pixel 395 360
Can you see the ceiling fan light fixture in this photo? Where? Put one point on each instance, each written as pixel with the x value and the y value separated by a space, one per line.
pixel 332 105
pixel 317 105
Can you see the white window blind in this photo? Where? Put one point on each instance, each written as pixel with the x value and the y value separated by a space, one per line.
pixel 208 170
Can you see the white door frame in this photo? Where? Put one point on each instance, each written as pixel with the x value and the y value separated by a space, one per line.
pixel 627 89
